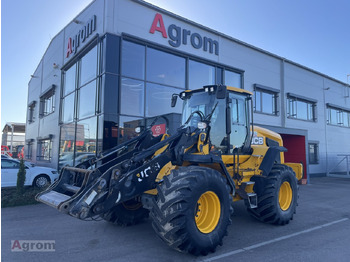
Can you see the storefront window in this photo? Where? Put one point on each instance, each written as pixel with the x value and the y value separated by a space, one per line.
pixel 232 79
pixel 200 75
pixel 88 66
pixel 44 150
pixel 133 60
pixel 87 98
pixel 85 144
pixel 165 68
pixel 68 108
pixel 132 97
pixel 158 100
pixel 69 80
pixel 127 126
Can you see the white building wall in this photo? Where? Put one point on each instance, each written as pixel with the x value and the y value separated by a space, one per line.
pixel 129 17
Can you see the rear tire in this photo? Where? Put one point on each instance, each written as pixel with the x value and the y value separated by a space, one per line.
pixel 277 196
pixel 127 213
pixel 193 210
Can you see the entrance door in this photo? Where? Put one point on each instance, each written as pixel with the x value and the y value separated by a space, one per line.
pixel 296 150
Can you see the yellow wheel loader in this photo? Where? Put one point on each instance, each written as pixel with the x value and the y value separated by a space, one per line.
pixel 187 181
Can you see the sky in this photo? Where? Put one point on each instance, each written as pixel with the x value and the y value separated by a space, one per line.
pixel 313 33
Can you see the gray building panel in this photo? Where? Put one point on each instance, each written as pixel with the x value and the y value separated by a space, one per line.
pixel 134 19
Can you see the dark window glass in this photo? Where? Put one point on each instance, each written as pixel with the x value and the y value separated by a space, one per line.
pixel 88 66
pixel 132 97
pixel 68 108
pixel 346 120
pixel 133 60
pixel 313 153
pixel 158 100
pixel 69 80
pixel 301 109
pixel 85 144
pixel 8 164
pixel 31 113
pixel 165 68
pixel 239 121
pixel 44 150
pixel 258 101
pixel 265 102
pixel 268 103
pixel 87 98
pixel 338 117
pixel 67 142
pixel 127 126
pixel 200 75
pixel 232 79
pixel 29 151
pixel 47 105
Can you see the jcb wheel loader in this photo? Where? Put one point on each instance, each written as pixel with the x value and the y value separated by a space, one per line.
pixel 187 181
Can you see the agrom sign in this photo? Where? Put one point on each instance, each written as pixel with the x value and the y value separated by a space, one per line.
pixel 180 36
pixel 81 36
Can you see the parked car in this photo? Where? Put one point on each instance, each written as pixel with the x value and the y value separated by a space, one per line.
pixel 35 175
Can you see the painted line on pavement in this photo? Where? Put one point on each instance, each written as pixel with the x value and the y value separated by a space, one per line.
pixel 237 251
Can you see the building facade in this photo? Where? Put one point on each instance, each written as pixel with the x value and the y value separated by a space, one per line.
pixel 116 65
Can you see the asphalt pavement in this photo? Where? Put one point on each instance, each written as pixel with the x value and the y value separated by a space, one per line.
pixel 320 231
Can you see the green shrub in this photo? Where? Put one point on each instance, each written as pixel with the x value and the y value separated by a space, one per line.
pixel 21 176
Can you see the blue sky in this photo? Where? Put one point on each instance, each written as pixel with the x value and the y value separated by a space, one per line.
pixel 312 33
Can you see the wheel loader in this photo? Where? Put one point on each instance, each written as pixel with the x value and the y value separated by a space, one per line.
pixel 186 182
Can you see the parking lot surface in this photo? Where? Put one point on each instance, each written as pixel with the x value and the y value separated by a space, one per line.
pixel 320 231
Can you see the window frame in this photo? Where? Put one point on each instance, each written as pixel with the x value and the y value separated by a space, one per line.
pixel 42 141
pixel 50 94
pixel 267 90
pixel 31 111
pixel 341 113
pixel 292 107
pixel 316 159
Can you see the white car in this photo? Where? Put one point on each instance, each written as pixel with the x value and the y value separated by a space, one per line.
pixel 35 176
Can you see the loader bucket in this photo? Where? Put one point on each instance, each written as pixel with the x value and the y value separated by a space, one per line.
pixel 73 193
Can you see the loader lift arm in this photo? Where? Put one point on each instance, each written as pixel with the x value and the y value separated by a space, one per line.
pixel 121 174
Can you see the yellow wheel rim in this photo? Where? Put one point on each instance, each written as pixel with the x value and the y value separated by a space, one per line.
pixel 285 196
pixel 207 213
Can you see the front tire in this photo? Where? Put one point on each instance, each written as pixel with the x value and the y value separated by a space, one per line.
pixel 193 210
pixel 277 196
pixel 41 181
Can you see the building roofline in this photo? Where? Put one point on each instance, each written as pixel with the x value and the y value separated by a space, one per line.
pixel 144 3
pixel 154 7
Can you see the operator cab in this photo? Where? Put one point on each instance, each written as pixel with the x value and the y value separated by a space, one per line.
pixel 227 111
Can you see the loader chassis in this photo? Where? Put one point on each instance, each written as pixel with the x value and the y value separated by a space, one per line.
pixel 188 180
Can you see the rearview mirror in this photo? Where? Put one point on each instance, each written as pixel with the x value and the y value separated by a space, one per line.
pixel 173 100
pixel 221 92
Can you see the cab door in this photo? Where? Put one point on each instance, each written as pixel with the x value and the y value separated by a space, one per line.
pixel 239 120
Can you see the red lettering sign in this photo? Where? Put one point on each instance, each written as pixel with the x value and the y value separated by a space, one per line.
pixel 158 130
pixel 69 47
pixel 158 19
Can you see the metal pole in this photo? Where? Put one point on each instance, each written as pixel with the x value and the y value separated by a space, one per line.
pixel 11 139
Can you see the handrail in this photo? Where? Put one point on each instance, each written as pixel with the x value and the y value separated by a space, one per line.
pixel 347 157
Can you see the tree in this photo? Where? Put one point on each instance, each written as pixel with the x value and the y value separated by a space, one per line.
pixel 21 176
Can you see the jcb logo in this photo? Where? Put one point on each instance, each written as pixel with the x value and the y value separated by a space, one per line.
pixel 147 172
pixel 257 140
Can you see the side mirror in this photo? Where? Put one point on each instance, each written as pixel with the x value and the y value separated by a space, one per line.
pixel 221 92
pixel 173 100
